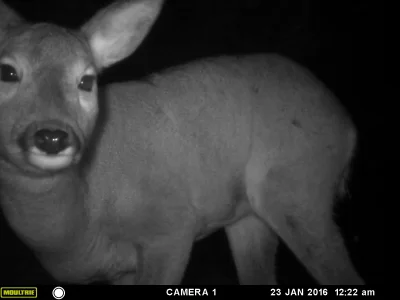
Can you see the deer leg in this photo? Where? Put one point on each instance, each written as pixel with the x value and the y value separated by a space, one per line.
pixel 254 246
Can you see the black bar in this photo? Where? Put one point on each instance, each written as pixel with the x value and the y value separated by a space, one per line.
pixel 221 292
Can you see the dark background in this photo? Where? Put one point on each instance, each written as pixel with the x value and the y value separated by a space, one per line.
pixel 340 41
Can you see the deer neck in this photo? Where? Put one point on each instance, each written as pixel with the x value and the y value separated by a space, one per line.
pixel 46 212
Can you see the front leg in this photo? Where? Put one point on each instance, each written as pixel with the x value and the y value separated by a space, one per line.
pixel 164 260
pixel 128 278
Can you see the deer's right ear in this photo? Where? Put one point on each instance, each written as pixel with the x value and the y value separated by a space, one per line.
pixel 8 19
pixel 117 31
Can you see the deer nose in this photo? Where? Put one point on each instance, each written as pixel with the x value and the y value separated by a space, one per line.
pixel 51 144
pixel 51 141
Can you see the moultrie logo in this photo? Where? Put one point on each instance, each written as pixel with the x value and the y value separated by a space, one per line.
pixel 18 292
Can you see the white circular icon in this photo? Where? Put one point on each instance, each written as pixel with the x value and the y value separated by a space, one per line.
pixel 58 292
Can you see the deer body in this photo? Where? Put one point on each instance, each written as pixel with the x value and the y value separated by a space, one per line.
pixel 254 144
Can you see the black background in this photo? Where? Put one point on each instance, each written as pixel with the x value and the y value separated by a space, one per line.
pixel 340 41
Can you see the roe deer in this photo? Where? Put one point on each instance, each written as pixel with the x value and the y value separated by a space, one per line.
pixel 117 184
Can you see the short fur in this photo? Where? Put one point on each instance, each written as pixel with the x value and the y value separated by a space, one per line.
pixel 255 144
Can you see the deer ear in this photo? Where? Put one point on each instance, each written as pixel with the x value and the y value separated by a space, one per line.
pixel 117 31
pixel 8 19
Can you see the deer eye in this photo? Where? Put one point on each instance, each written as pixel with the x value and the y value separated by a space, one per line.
pixel 8 73
pixel 87 82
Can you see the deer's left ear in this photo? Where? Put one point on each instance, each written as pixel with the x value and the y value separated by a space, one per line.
pixel 117 31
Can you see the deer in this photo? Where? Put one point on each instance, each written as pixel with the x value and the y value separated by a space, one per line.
pixel 116 183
